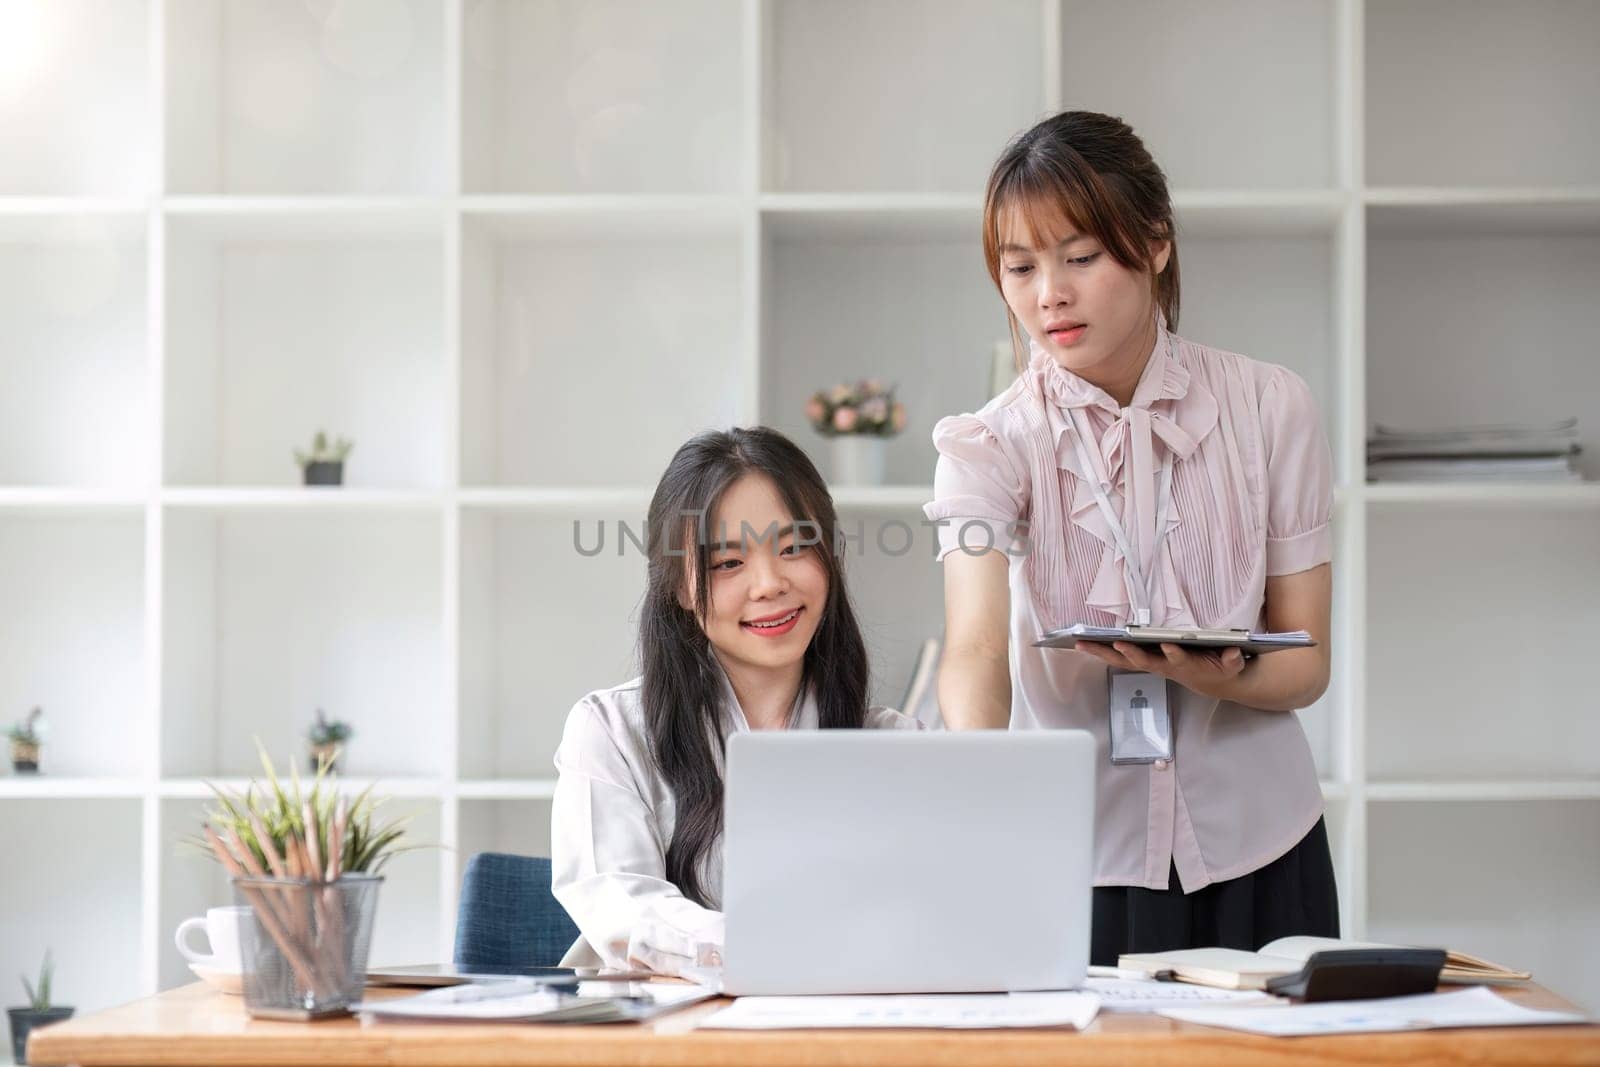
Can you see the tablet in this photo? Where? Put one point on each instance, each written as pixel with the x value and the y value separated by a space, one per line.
pixel 448 974
pixel 1251 643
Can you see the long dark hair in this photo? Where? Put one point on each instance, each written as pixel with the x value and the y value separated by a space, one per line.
pixel 682 686
pixel 1094 170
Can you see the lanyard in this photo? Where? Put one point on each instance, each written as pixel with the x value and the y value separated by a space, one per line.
pixel 1141 586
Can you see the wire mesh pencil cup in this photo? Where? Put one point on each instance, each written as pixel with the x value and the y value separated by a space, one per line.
pixel 307 955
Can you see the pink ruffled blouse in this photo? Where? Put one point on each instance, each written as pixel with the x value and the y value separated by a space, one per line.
pixel 1251 496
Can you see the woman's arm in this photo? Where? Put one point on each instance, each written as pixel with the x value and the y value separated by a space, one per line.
pixel 608 869
pixel 1282 681
pixel 975 670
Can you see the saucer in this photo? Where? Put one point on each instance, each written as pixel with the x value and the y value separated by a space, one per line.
pixel 220 980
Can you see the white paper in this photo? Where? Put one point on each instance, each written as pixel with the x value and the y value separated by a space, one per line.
pixel 1145 995
pixel 942 1010
pixel 1428 1011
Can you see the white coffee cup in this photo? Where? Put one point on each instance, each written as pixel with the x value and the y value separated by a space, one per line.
pixel 225 929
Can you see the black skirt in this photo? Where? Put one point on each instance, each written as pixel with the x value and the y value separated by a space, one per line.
pixel 1294 894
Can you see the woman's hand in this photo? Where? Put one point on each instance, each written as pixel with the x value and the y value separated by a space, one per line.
pixel 1206 672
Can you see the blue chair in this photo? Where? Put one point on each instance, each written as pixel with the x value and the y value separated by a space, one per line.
pixel 508 917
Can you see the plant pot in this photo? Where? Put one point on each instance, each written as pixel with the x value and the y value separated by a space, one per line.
pixel 25 757
pixel 25 1020
pixel 324 472
pixel 319 753
pixel 859 459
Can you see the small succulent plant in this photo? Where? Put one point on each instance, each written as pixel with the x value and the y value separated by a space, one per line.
pixel 39 995
pixel 324 451
pixel 29 731
pixel 326 731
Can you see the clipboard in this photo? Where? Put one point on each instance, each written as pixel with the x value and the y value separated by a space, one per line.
pixel 1250 642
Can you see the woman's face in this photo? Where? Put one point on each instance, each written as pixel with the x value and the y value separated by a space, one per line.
pixel 1077 303
pixel 768 585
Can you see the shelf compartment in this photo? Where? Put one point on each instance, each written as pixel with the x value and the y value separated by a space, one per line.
pixel 867 304
pixel 75 410
pixel 855 99
pixel 75 98
pixel 1510 883
pixel 72 887
pixel 1445 700
pixel 602 96
pixel 1236 94
pixel 271 616
pixel 542 624
pixel 266 97
pixel 283 322
pixel 1483 328
pixel 74 639
pixel 1269 297
pixel 563 317
pixel 1497 94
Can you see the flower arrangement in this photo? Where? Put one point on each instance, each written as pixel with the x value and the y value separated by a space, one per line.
pixel 866 408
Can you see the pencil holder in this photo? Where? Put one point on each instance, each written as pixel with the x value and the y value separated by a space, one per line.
pixel 307 955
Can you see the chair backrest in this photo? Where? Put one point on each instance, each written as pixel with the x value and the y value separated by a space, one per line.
pixel 508 917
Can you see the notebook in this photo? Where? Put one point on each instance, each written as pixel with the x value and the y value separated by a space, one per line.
pixel 1228 968
pixel 1250 642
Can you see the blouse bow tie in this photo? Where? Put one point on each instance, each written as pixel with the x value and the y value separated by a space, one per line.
pixel 1120 442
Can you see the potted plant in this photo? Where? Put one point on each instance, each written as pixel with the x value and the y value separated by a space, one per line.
pixel 324 464
pixel 325 737
pixel 26 737
pixel 38 1012
pixel 859 418
pixel 307 863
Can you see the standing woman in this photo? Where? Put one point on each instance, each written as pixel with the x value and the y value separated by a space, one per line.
pixel 1130 475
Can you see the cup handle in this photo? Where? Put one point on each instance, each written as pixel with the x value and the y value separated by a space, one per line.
pixel 181 939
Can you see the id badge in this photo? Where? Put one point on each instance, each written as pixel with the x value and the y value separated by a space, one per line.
pixel 1141 732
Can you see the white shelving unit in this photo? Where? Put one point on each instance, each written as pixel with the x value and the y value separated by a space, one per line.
pixel 519 251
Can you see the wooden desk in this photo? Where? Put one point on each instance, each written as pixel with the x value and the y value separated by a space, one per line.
pixel 194 1026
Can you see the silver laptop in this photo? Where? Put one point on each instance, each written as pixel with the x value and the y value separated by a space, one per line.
pixel 868 861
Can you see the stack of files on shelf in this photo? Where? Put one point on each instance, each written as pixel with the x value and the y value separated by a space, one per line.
pixel 1507 453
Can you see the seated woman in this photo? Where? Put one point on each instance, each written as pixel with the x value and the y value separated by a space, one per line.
pixel 745 625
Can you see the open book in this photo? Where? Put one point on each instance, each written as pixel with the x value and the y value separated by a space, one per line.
pixel 1229 968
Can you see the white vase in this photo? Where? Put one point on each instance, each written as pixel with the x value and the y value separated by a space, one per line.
pixel 859 459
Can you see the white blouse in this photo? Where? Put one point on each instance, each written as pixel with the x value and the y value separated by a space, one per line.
pixel 610 824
